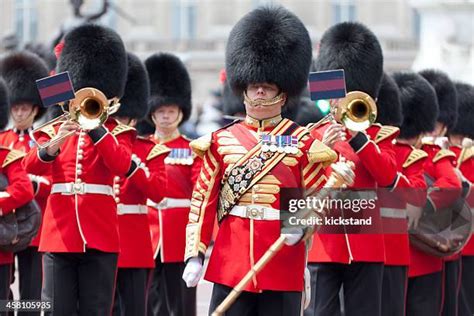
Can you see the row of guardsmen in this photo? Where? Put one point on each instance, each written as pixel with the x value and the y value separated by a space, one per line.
pixel 86 259
pixel 127 219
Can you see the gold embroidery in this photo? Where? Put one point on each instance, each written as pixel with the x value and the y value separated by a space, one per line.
pixel 227 141
pixel 415 155
pixel 231 150
pixel 443 153
pixel 385 132
pixel 231 159
pixel 121 128
pixel 12 156
pixel 290 161
pixel 201 145
pixel 156 151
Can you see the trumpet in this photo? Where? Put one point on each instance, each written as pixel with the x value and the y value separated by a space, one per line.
pixel 90 109
pixel 357 112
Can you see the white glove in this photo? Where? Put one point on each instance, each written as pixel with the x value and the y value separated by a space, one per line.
pixel 193 272
pixel 293 236
pixel 414 214
pixel 307 288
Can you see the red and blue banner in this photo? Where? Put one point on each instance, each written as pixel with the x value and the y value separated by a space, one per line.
pixel 55 89
pixel 326 85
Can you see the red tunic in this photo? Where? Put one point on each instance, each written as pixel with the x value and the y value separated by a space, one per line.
pixel 172 221
pixel 465 163
pixel 78 220
pixel 19 189
pixel 375 166
pixel 438 166
pixel 410 189
pixel 23 142
pixel 135 240
pixel 242 240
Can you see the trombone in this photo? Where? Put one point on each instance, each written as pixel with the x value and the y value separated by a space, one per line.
pixel 357 112
pixel 90 109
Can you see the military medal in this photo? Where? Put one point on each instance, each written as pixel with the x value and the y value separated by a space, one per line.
pixel 280 143
pixel 266 141
pixel 273 146
pixel 179 156
pixel 293 145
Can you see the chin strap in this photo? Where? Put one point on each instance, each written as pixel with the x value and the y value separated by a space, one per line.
pixel 269 102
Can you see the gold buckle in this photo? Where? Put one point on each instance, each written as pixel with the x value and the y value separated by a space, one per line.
pixel 254 212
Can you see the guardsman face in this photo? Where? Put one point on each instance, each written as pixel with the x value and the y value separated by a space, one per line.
pixel 23 115
pixel 167 116
pixel 263 92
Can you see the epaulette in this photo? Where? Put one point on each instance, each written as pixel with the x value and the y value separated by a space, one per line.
pixel 121 128
pixel 443 153
pixel 201 145
pixel 157 150
pixel 385 132
pixel 318 152
pixel 466 154
pixel 415 155
pixel 12 156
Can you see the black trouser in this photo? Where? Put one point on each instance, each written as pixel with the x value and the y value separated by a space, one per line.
pixel 169 295
pixel 424 295
pixel 466 300
pixel 451 283
pixel 275 303
pixel 5 279
pixel 362 286
pixel 395 279
pixel 30 272
pixel 131 292
pixel 79 283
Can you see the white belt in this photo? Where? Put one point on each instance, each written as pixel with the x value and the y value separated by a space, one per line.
pixel 123 209
pixel 256 212
pixel 169 203
pixel 388 212
pixel 81 188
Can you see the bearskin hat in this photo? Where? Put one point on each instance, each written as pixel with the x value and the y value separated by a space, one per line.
pixel 134 103
pixel 269 44
pixel 95 57
pixel 231 103
pixel 353 47
pixel 389 107
pixel 419 104
pixel 308 112
pixel 44 52
pixel 145 128
pixel 169 83
pixel 20 71
pixel 465 123
pixel 4 104
pixel 446 94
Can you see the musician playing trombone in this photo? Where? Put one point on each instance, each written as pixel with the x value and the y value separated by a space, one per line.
pixel 80 232
pixel 353 258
